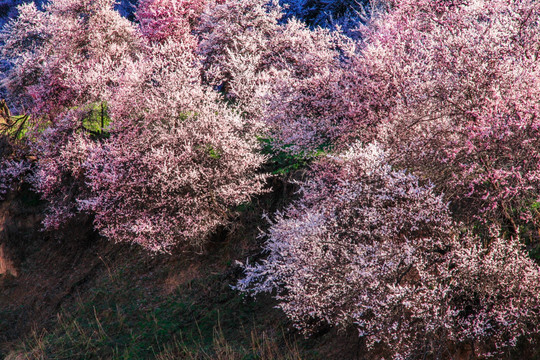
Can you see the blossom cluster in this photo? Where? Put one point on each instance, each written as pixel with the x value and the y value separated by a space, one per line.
pixel 369 246
pixel 284 74
pixel 11 173
pixel 122 126
pixel 454 86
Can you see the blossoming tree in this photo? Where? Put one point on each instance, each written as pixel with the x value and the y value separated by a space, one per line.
pixel 284 74
pixel 368 246
pixel 177 161
pixel 455 87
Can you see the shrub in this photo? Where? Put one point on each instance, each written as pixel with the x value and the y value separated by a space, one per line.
pixel 177 160
pixel 65 62
pixel 454 85
pixel 368 246
pixel 286 75
pixel 59 176
pixel 172 162
pixel 65 56
pixel 11 173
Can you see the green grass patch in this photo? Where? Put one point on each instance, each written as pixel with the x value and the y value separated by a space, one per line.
pixel 202 318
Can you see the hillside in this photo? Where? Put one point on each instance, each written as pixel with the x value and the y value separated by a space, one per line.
pixel 254 179
pixel 82 297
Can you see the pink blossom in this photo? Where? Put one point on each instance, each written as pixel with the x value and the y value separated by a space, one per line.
pixel 371 247
pixel 454 87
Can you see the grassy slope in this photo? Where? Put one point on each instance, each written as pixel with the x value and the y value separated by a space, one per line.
pixel 81 297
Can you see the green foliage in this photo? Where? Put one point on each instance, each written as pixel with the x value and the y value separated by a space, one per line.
pixel 13 126
pixel 97 119
pixel 19 127
pixel 183 116
pixel 202 318
pixel 213 153
pixel 245 207
pixel 283 163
